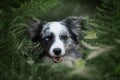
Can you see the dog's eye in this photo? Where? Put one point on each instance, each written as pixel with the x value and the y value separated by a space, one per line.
pixel 64 37
pixel 47 38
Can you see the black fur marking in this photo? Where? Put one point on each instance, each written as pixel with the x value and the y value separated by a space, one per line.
pixel 47 40
pixel 74 25
pixel 35 27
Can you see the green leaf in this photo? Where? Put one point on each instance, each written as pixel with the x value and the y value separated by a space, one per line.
pixel 90 35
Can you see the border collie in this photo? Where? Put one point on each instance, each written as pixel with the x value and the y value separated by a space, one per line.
pixel 59 39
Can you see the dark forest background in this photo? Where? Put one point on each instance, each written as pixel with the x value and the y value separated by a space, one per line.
pixel 100 43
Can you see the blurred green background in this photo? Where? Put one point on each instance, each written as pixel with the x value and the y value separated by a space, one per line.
pixel 19 58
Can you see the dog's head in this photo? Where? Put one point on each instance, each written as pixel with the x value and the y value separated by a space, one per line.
pixel 56 37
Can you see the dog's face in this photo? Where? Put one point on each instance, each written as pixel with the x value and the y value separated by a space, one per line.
pixel 56 37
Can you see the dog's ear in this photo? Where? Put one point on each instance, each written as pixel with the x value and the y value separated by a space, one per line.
pixel 75 25
pixel 34 28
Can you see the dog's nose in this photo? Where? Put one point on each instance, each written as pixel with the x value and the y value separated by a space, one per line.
pixel 57 51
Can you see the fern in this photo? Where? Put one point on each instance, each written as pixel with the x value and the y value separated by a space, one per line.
pixel 16 58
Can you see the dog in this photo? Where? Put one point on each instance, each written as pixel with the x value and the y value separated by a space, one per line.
pixel 59 39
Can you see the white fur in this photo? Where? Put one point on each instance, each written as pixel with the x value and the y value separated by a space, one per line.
pixel 57 28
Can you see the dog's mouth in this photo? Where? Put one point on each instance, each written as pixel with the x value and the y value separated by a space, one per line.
pixel 57 59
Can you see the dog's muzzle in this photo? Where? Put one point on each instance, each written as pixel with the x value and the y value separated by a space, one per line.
pixel 57 52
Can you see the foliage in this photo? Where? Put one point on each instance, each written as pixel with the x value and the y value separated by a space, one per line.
pixel 106 22
pixel 15 50
pixel 19 56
